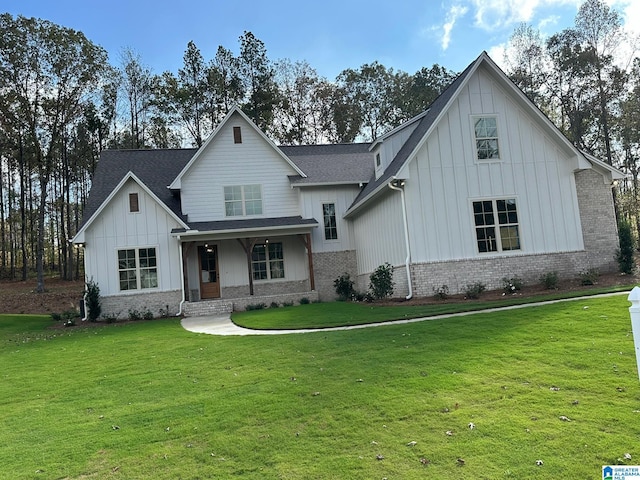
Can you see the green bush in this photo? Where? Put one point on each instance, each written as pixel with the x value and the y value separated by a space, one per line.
pixel 305 301
pixel 381 282
pixel 442 292
pixel 589 277
pixel 256 306
pixel 147 315
pixel 344 287
pixel 549 280
pixel 134 315
pixel 624 255
pixel 92 301
pixel 512 285
pixel 474 290
pixel 274 305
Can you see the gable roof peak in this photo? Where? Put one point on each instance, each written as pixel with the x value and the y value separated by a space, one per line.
pixel 235 110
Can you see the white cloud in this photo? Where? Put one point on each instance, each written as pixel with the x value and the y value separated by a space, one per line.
pixel 497 14
pixel 455 12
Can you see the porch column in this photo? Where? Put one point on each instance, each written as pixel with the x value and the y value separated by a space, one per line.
pixel 306 239
pixel 186 248
pixel 247 246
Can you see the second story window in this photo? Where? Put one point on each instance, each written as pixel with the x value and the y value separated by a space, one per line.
pixel 486 135
pixel 242 200
pixel 329 216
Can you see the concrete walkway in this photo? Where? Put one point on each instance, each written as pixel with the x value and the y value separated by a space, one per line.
pixel 222 325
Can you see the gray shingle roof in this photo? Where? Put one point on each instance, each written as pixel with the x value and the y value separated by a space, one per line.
pixel 249 224
pixel 155 168
pixel 331 164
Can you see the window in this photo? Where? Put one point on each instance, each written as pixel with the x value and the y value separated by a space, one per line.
pixel 496 224
pixel 134 206
pixel 237 135
pixel 137 268
pixel 378 161
pixel 330 226
pixel 240 200
pixel 267 261
pixel 486 132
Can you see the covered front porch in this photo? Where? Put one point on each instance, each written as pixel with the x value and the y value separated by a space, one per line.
pixel 230 265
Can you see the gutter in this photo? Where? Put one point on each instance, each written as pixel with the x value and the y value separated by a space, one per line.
pixel 407 260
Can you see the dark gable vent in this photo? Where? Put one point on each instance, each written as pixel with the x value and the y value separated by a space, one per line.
pixel 237 135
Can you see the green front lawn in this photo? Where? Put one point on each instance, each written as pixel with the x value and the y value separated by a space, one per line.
pixel 338 314
pixel 151 400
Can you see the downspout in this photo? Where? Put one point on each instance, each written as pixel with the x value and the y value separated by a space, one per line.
pixel 407 260
pixel 181 277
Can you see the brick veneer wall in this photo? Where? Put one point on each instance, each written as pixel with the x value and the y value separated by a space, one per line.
pixel 265 289
pixel 118 306
pixel 327 266
pixel 597 215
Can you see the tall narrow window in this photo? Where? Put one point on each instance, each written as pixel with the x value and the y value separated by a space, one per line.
pixel 137 268
pixel 330 226
pixel 134 206
pixel 378 161
pixel 267 261
pixel 240 200
pixel 496 223
pixel 237 135
pixel 486 133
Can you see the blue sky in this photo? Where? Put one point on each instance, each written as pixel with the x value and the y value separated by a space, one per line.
pixel 331 35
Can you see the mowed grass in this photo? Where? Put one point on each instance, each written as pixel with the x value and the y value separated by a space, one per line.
pixel 338 314
pixel 150 400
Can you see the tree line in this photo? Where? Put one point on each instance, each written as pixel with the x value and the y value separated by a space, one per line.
pixel 62 103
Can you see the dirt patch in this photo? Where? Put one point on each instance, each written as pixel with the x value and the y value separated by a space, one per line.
pixel 20 297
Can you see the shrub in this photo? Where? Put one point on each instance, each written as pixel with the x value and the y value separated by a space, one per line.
pixel 512 285
pixel 344 287
pixel 305 301
pixel 549 280
pixel 624 255
pixel 381 281
pixel 147 315
pixel 92 301
pixel 69 318
pixel 589 277
pixel 164 312
pixel 134 315
pixel 274 305
pixel 287 304
pixel 474 290
pixel 256 306
pixel 442 292
pixel 56 317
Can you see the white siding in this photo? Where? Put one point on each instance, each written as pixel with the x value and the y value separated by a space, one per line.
pixel 391 146
pixel 379 234
pixel 224 163
pixel 312 199
pixel 445 178
pixel 117 228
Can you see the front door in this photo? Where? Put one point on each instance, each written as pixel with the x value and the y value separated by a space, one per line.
pixel 209 278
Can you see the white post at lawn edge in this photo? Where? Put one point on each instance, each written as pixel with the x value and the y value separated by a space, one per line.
pixel 634 311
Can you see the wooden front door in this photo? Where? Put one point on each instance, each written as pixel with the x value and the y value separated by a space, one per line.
pixel 209 277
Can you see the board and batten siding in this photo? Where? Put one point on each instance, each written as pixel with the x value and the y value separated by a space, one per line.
pixel 311 201
pixel 379 234
pixel 391 146
pixel 117 228
pixel 445 178
pixel 225 163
